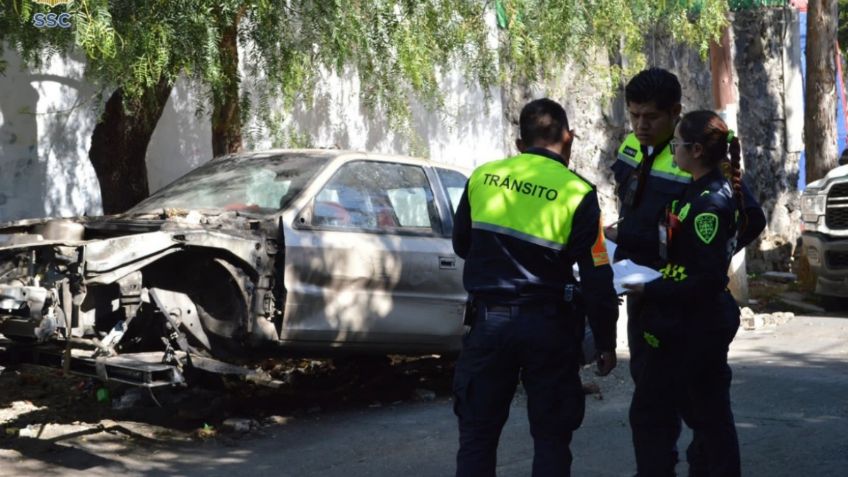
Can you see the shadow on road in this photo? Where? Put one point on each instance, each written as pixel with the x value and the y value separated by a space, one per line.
pixel 375 419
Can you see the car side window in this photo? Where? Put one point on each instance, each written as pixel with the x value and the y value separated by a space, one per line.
pixel 377 196
pixel 453 183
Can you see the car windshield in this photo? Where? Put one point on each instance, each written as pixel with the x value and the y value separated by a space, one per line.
pixel 257 184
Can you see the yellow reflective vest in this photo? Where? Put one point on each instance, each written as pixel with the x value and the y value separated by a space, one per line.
pixel 664 166
pixel 529 197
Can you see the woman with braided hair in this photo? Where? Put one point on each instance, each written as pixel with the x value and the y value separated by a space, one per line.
pixel 690 316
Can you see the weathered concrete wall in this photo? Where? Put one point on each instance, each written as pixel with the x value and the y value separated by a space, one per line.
pixel 601 122
pixel 598 123
pixel 46 120
pixel 182 139
pixel 766 56
pixel 468 130
pixel 766 103
pixel 47 117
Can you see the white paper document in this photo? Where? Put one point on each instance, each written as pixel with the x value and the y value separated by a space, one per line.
pixel 627 272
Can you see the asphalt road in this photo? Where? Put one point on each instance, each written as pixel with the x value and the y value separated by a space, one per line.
pixel 790 394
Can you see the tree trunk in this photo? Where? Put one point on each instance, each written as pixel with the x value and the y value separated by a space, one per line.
pixel 820 112
pixel 119 146
pixel 226 112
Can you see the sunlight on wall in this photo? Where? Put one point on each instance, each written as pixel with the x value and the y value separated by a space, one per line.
pixel 48 116
pixel 182 140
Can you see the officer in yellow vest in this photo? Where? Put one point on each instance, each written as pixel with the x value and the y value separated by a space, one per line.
pixel 647 179
pixel 521 224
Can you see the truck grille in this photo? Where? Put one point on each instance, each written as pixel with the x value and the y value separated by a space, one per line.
pixel 836 216
pixel 836 260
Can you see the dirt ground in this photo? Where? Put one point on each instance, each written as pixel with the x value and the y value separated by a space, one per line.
pixel 381 417
pixel 37 398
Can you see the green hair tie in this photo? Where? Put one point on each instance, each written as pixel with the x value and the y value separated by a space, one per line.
pixel 730 135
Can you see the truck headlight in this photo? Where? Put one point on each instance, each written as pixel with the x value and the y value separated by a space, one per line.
pixel 813 256
pixel 813 205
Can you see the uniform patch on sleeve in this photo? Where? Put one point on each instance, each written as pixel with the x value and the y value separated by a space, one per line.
pixel 599 249
pixel 706 226
pixel 629 151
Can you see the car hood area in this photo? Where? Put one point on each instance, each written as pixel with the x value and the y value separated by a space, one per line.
pixel 68 273
pixel 114 240
pixel 832 175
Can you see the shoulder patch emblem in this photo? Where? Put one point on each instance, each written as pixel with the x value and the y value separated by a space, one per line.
pixel 684 212
pixel 706 226
pixel 630 151
pixel 600 256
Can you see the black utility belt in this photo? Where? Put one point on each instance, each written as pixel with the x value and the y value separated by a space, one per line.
pixel 550 307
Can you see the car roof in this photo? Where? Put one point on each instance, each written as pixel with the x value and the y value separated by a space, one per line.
pixel 343 155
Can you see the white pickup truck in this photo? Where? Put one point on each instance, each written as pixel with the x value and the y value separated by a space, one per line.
pixel 824 231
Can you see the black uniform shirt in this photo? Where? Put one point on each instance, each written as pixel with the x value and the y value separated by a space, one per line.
pixel 506 270
pixel 693 286
pixel 638 236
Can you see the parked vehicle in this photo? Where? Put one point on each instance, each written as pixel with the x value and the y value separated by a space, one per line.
pixel 303 250
pixel 824 209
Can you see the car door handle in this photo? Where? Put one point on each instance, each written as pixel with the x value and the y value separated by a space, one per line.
pixel 447 263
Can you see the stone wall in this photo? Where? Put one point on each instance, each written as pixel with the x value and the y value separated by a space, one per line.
pixel 598 122
pixel 767 57
pixel 766 103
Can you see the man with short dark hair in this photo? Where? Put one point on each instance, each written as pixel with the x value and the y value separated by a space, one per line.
pixel 647 180
pixel 521 224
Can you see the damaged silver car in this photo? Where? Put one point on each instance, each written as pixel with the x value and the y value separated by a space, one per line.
pixel 290 250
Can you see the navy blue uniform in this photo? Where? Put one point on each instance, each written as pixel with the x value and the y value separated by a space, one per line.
pixel 643 196
pixel 638 239
pixel 690 318
pixel 524 329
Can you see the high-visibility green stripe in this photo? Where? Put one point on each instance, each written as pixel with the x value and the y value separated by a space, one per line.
pixel 663 166
pixel 664 163
pixel 517 234
pixel 672 177
pixel 628 160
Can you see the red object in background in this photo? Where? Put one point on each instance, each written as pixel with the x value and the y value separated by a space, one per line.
pixel 801 5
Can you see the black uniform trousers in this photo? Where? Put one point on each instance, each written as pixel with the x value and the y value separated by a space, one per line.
pixel 635 341
pixel 687 376
pixel 639 356
pixel 538 344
